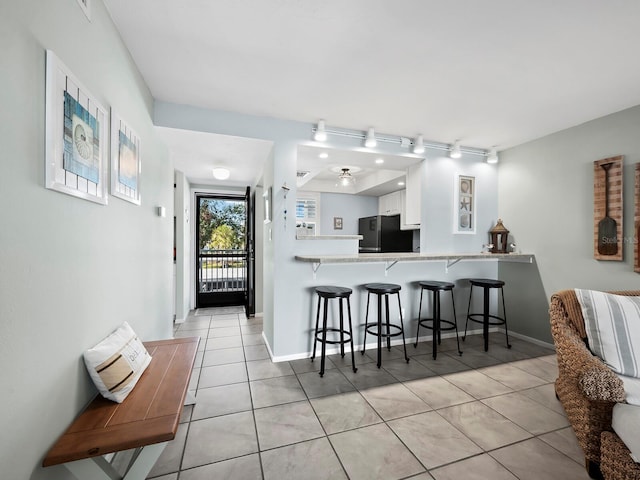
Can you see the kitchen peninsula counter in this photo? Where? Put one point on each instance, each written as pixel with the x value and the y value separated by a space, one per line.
pixel 391 259
pixel 328 237
pixel 414 257
pixel 318 262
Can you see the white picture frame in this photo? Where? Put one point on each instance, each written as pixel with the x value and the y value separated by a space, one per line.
pixel 464 204
pixel 76 136
pixel 126 164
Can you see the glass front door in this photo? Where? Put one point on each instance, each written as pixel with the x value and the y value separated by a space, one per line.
pixel 223 244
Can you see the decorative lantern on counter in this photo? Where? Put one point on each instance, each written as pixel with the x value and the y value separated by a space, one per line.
pixel 499 237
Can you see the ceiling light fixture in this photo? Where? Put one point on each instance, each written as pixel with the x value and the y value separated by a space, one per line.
pixel 324 155
pixel 321 132
pixel 418 146
pixel 455 150
pixel 345 179
pixel 401 184
pixel 492 157
pixel 221 173
pixel 370 141
pixel 379 161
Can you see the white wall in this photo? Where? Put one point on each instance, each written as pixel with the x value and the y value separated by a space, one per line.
pixel 70 270
pixel 349 207
pixel 182 202
pixel 546 201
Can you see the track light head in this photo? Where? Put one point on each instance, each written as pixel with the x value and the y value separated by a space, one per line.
pixel 321 133
pixel 492 156
pixel 418 146
pixel 370 141
pixel 455 150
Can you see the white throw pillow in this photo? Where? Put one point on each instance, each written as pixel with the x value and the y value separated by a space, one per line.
pixel 117 362
pixel 612 323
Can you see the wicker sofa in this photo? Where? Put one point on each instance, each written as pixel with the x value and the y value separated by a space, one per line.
pixel 588 390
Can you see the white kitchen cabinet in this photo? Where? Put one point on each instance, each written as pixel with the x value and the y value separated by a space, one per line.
pixel 413 201
pixel 404 224
pixel 396 203
pixel 390 204
pixel 407 203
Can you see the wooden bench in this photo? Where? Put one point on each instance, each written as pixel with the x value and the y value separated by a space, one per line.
pixel 146 420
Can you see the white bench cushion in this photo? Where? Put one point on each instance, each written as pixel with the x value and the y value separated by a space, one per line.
pixel 626 423
pixel 631 389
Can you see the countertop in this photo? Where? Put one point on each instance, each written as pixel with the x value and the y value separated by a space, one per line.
pixel 328 237
pixel 413 257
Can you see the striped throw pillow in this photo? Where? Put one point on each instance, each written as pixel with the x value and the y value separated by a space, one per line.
pixel 612 323
pixel 117 362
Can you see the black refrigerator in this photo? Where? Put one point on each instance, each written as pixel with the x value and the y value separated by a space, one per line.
pixel 381 233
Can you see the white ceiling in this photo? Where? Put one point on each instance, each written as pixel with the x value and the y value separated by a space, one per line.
pixel 491 72
pixel 196 154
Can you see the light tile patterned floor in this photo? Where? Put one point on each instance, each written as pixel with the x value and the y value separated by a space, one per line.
pixel 482 415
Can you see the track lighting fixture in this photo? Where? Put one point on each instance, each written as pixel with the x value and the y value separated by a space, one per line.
pixel 321 132
pixel 455 150
pixel 418 147
pixel 370 141
pixel 492 156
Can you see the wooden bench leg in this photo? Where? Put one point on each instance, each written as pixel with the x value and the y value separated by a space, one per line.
pixel 97 468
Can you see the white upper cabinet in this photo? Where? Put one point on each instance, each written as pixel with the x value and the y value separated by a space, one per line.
pixel 390 204
pixel 413 203
pixel 406 203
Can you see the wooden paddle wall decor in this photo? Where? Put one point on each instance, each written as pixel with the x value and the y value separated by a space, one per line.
pixel 607 208
pixel 636 223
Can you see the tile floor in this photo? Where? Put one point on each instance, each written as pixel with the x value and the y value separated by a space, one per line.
pixel 477 416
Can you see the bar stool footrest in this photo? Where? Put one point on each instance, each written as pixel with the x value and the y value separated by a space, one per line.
pixel 368 328
pixel 345 333
pixel 452 325
pixel 497 320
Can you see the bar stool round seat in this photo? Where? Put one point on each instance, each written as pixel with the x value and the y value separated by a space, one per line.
pixel 330 291
pixel 325 293
pixel 435 322
pixel 379 328
pixel 485 318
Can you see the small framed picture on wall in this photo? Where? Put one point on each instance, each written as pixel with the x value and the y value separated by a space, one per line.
pixel 337 223
pixel 464 204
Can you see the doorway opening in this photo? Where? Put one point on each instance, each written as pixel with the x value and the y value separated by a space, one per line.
pixel 224 262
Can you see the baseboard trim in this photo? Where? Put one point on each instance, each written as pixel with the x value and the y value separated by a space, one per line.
pixel 331 350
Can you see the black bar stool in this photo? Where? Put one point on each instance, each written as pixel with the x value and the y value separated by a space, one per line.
pixel 485 318
pixel 383 290
pixel 325 293
pixel 436 321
